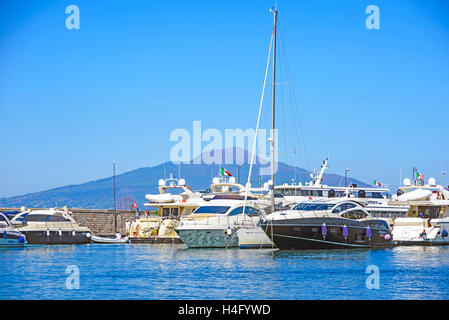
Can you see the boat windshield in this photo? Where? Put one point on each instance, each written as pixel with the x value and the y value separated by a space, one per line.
pixel 3 221
pixel 307 206
pixel 212 209
pixel 43 218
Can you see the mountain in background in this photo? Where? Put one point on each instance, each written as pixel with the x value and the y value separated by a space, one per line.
pixel 134 185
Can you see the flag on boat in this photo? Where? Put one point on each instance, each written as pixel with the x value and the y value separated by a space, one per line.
pixel 225 172
pixel 419 176
pixel 377 183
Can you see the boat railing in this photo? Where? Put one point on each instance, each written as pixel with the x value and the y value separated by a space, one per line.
pixel 61 225
pixel 238 221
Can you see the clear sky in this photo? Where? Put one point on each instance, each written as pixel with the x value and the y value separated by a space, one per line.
pixel 72 101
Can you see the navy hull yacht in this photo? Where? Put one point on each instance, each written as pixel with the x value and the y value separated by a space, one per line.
pixel 331 224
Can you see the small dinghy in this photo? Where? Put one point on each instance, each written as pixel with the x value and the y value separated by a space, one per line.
pixel 118 239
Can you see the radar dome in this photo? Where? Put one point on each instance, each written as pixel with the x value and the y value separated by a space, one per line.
pixel 161 182
pixel 182 182
pixel 407 182
pixel 432 182
pixel 215 180
pixel 231 180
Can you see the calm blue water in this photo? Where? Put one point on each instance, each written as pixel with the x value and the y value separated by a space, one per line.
pixel 174 272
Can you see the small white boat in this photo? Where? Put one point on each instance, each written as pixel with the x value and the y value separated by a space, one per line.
pixel 117 239
pixel 415 195
pixel 163 197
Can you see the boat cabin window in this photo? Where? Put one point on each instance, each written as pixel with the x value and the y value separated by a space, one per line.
pixel 429 212
pixel 340 194
pixel 44 218
pixel 375 195
pixel 343 207
pixel 308 206
pixel 354 214
pixel 251 211
pixel 299 192
pixel 169 212
pixel 388 214
pixel 212 209
pixel 281 192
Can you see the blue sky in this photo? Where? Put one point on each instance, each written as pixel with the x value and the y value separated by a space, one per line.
pixel 72 101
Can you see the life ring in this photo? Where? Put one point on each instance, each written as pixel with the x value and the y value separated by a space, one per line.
pixel 437 193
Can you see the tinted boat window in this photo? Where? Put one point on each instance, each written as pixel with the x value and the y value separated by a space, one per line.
pixel 313 206
pixel 248 210
pixel 356 214
pixel 45 218
pixel 236 211
pixel 251 211
pixel 212 209
pixel 343 207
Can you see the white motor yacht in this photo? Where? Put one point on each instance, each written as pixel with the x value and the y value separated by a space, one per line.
pixel 427 221
pixel 215 223
pixel 374 198
pixel 50 226
pixel 185 201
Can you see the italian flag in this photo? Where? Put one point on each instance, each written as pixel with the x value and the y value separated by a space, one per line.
pixel 225 172
pixel 419 176
pixel 377 183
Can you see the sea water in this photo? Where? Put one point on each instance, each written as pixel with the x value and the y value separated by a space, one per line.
pixel 145 271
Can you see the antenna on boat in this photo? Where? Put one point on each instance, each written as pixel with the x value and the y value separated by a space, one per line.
pixel 318 178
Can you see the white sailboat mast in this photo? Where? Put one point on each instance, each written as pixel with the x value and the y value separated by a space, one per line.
pixel 273 123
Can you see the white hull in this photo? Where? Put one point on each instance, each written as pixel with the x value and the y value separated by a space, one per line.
pixel 253 238
pixel 416 231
